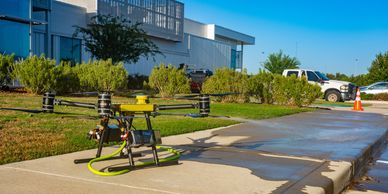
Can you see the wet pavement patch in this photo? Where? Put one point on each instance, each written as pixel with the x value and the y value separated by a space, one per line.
pixel 331 135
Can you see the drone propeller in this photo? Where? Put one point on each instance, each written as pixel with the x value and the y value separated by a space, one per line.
pixel 95 93
pixel 223 94
pixel 194 96
pixel 66 115
pixel 23 110
pixel 192 115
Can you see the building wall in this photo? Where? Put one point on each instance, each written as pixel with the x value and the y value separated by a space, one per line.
pixel 89 5
pixel 195 51
pixel 197 29
pixel 63 19
pixel 209 54
pixel 200 47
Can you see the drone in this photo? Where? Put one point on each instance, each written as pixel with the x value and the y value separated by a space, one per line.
pixel 124 131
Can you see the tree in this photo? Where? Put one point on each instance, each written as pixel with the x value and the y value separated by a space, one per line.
pixel 379 68
pixel 116 38
pixel 338 76
pixel 278 62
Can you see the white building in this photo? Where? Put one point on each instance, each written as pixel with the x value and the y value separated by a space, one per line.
pixel 181 40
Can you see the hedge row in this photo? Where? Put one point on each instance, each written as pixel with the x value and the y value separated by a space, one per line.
pixel 40 74
pixel 263 87
pixel 169 80
pixel 380 97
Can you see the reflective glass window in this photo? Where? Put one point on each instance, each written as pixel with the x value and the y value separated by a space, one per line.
pixel 14 36
pixel 311 76
pixel 290 73
pixel 14 8
pixel 70 50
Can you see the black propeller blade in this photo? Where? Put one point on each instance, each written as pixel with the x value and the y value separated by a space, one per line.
pixel 66 115
pixel 195 96
pixel 85 94
pixel 23 110
pixel 192 115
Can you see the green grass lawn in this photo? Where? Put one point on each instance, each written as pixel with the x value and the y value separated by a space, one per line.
pixel 25 136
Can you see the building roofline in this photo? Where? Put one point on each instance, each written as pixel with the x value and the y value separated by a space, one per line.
pixel 235 35
pixel 228 33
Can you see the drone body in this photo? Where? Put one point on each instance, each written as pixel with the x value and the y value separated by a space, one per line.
pixel 124 131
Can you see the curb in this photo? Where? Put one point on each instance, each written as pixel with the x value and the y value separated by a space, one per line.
pixel 359 166
pixel 336 176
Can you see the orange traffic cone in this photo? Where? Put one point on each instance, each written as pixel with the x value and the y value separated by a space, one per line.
pixel 357 104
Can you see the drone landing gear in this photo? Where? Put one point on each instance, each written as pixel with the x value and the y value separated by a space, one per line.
pixel 131 139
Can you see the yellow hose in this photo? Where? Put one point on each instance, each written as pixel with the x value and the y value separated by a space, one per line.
pixel 176 156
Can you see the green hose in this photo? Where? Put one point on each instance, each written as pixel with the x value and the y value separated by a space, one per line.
pixel 176 156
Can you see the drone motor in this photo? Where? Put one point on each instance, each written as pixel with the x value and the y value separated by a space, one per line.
pixel 204 105
pixel 104 104
pixel 48 102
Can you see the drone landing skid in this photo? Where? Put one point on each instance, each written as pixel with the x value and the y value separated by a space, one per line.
pixel 133 138
pixel 133 167
pixel 86 160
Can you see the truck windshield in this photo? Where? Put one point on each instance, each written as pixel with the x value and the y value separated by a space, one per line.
pixel 322 76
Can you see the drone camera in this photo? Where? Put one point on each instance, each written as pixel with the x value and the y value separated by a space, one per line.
pixel 113 133
pixel 138 138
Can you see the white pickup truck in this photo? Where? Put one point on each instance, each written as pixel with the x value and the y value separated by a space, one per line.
pixel 334 90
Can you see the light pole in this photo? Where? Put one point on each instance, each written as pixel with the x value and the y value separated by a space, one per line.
pixel 355 66
pixel 261 62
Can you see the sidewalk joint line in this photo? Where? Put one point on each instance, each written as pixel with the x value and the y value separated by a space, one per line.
pixel 88 180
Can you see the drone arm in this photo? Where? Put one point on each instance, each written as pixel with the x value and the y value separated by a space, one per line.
pixel 76 104
pixel 177 106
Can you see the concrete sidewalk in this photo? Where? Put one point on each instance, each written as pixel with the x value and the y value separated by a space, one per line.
pixel 313 152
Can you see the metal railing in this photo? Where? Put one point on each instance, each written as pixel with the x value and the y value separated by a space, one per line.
pixel 160 18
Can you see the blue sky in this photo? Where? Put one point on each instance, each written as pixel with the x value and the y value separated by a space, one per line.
pixel 327 35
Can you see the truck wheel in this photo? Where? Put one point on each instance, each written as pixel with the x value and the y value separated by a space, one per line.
pixel 333 96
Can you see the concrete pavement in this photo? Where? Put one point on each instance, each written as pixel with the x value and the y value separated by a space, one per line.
pixel 313 152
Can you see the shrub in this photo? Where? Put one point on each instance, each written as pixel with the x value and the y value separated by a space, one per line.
pixel 101 75
pixel 380 97
pixel 226 80
pixel 260 87
pixel 168 80
pixel 37 74
pixel 67 80
pixel 6 62
pixel 294 91
pixel 365 96
pixel 136 82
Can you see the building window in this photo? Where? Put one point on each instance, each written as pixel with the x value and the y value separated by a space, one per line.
pixel 233 61
pixel 161 18
pixel 14 8
pixel 70 50
pixel 14 37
